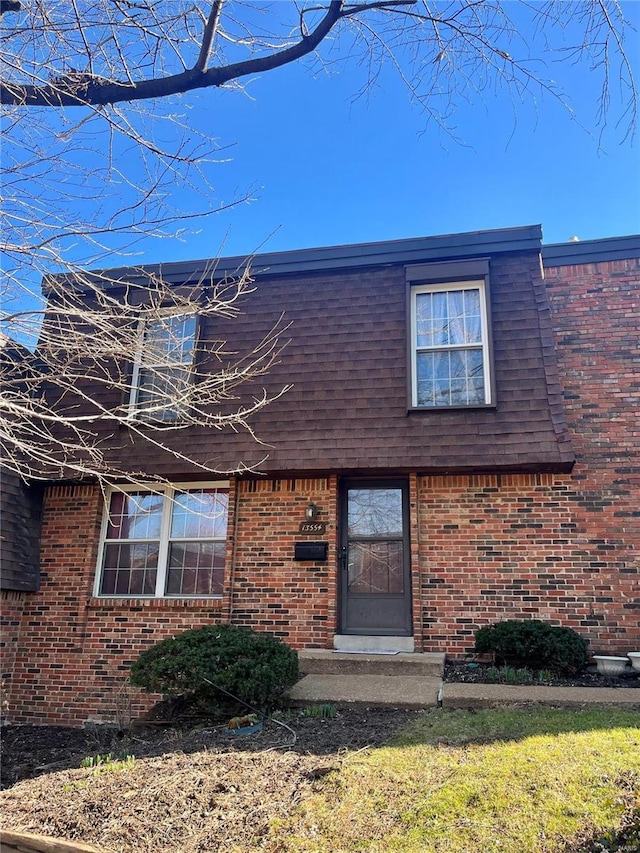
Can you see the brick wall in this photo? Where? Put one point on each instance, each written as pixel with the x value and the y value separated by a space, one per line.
pixel 504 546
pixel 74 651
pixel 271 591
pixel 565 547
pixel 596 318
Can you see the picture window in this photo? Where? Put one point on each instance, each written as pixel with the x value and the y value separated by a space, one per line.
pixel 164 543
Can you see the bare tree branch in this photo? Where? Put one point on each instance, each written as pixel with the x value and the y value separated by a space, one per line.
pixel 84 89
pixel 209 35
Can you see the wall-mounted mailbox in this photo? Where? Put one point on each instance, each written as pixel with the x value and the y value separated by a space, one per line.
pixel 310 551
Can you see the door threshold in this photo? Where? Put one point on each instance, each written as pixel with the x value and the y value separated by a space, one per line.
pixel 355 643
pixel 364 652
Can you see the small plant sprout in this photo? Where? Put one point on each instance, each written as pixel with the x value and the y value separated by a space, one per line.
pixel 325 711
pixel 107 762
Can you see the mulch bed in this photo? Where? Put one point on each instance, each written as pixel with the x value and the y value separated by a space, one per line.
pixel 477 672
pixel 30 751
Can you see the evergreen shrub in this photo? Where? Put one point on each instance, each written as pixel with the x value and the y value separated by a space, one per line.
pixel 253 667
pixel 534 644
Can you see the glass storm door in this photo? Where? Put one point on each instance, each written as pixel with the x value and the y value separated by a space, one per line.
pixel 374 565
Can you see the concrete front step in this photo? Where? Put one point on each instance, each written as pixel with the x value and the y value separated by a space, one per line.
pixel 373 691
pixel 325 662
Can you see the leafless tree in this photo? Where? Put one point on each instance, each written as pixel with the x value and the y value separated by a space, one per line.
pixel 94 94
pixel 141 355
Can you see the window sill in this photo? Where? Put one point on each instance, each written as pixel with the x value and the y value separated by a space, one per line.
pixel 125 603
pixel 429 409
pixel 150 423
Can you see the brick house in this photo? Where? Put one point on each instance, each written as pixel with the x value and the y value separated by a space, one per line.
pixel 460 445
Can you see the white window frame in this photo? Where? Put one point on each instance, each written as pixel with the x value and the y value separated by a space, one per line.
pixel 441 287
pixel 156 414
pixel 165 539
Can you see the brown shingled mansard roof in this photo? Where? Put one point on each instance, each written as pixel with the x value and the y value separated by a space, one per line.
pixel 347 362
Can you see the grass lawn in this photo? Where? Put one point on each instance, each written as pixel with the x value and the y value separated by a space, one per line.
pixel 508 780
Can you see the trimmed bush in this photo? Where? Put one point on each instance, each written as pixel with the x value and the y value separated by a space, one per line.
pixel 253 667
pixel 534 644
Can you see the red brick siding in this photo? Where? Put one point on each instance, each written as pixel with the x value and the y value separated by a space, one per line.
pixel 75 650
pixel 564 547
pixel 294 600
pixel 499 547
pixel 596 318
pixel 417 561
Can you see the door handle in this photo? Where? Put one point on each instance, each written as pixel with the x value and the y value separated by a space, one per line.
pixel 343 558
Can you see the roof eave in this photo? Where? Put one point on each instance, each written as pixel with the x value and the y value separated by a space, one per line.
pixel 330 258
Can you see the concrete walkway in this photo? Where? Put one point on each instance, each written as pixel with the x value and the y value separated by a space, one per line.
pixel 417 692
pixel 415 680
pixel 493 695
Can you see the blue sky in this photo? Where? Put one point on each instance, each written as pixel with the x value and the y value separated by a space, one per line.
pixel 328 160
pixel 325 168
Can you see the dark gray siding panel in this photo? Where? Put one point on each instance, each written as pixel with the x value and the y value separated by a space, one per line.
pixel 21 510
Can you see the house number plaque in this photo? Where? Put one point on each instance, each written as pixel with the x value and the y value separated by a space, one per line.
pixel 313 527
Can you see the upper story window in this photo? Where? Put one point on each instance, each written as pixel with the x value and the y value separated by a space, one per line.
pixel 167 542
pixel 162 371
pixel 450 347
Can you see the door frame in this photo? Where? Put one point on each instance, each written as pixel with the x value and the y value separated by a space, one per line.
pixel 345 484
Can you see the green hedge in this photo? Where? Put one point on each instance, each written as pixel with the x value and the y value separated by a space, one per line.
pixel 534 644
pixel 253 667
